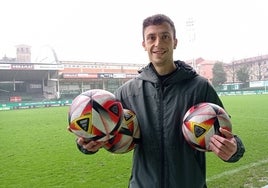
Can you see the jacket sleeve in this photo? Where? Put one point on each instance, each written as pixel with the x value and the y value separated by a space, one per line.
pixel 213 97
pixel 239 152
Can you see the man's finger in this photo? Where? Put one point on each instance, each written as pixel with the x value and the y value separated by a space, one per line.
pixel 226 133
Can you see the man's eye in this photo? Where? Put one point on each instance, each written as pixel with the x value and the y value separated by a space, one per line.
pixel 165 37
pixel 151 38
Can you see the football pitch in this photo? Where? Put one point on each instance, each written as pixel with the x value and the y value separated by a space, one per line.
pixel 36 150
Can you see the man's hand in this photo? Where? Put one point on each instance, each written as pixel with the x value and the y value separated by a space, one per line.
pixel 223 146
pixel 91 146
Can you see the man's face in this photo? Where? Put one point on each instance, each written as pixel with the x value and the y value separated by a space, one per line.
pixel 159 42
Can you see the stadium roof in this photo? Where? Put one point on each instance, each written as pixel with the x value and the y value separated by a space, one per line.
pixel 27 71
pixel 23 75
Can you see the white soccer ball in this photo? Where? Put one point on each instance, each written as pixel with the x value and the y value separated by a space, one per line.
pixel 203 121
pixel 95 115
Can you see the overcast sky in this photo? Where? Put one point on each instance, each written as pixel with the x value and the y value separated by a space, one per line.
pixel 110 30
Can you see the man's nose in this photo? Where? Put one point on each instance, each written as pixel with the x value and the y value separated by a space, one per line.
pixel 158 40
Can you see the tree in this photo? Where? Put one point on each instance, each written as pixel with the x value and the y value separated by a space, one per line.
pixel 219 75
pixel 242 74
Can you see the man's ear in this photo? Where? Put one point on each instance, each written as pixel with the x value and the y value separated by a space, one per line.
pixel 143 45
pixel 175 44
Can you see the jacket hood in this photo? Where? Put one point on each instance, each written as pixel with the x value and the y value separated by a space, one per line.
pixel 183 72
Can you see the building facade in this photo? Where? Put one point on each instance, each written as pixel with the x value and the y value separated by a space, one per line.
pixel 78 76
pixel 203 67
pixel 67 79
pixel 23 53
pixel 256 67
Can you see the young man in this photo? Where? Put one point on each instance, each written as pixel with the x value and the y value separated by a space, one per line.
pixel 160 96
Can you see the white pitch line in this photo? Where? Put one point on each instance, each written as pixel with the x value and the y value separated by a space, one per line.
pixel 237 169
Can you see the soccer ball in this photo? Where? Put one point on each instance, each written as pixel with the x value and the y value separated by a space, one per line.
pixel 95 115
pixel 128 135
pixel 201 122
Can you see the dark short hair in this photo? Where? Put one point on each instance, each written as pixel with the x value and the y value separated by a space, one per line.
pixel 158 19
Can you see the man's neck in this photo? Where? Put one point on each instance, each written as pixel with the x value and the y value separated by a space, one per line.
pixel 164 69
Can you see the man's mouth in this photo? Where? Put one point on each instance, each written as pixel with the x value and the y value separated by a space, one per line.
pixel 159 52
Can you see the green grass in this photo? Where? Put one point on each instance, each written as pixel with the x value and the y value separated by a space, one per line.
pixel 36 150
pixel 250 122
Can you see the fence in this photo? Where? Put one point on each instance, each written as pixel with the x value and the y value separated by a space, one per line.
pixel 27 105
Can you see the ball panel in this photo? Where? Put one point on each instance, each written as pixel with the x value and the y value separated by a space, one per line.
pixel 78 107
pixel 225 122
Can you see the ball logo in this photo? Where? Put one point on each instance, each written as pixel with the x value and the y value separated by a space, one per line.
pixel 114 109
pixel 198 131
pixel 128 116
pixel 83 123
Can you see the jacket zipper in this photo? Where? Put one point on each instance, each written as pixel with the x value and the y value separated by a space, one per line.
pixel 161 113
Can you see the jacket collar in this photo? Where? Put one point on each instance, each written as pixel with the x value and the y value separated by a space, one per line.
pixel 183 72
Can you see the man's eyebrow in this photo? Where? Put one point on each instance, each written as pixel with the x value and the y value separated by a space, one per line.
pixel 165 32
